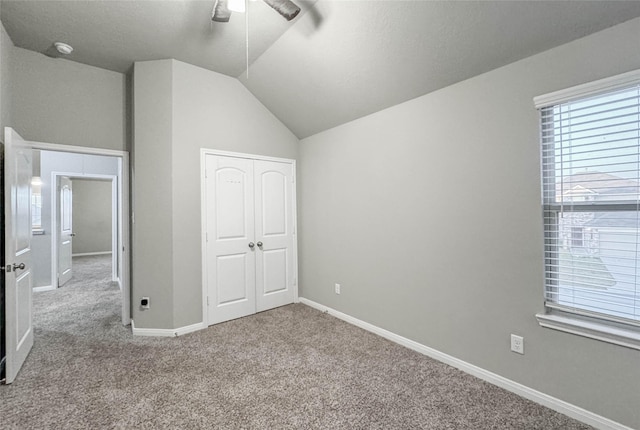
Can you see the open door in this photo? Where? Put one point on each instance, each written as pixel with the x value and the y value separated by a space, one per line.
pixel 65 229
pixel 17 264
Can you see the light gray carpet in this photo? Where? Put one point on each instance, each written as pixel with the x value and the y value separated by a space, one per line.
pixel 292 367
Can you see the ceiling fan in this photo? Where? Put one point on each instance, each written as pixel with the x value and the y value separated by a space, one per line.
pixel 286 8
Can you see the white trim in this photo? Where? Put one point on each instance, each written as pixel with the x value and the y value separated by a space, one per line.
pixel 592 330
pixel 543 399
pixel 54 147
pixel 587 89
pixel 166 332
pixel 115 229
pixel 43 288
pixel 125 216
pixel 294 202
pixel 203 234
pixel 205 151
pixel 54 216
pixel 87 254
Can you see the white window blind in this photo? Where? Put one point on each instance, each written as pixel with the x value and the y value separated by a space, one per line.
pixel 591 203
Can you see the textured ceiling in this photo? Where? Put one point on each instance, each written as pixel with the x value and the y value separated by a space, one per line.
pixel 113 34
pixel 338 61
pixel 370 55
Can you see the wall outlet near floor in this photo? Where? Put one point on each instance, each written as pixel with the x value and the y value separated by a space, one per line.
pixel 337 288
pixel 517 344
pixel 144 303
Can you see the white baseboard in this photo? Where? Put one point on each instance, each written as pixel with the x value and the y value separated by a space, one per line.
pixel 557 405
pixel 166 332
pixel 85 254
pixel 44 288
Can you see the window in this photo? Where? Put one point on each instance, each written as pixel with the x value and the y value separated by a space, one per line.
pixel 576 237
pixel 36 204
pixel 591 202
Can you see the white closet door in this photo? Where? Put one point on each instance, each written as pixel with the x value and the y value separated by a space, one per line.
pixel 274 234
pixel 231 253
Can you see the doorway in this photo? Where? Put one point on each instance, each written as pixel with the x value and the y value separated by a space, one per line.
pixel 22 225
pixel 92 185
pixel 84 222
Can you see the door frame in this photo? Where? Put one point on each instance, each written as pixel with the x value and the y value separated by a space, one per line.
pixel 123 250
pixel 203 219
pixel 55 175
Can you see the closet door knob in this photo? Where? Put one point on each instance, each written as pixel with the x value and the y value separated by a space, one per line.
pixel 259 244
pixel 251 245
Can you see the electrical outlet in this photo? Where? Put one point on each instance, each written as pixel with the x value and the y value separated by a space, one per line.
pixel 144 303
pixel 337 288
pixel 517 344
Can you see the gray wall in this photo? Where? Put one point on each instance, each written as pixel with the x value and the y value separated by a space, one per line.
pixel 92 216
pixel 152 241
pixel 429 215
pixel 73 165
pixel 6 50
pixel 61 101
pixel 179 109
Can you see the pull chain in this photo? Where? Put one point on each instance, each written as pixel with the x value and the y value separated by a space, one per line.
pixel 246 34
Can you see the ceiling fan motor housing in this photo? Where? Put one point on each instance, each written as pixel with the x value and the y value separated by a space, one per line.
pixel 286 8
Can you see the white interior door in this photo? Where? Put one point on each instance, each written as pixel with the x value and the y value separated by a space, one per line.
pixel 230 247
pixel 65 229
pixel 19 279
pixel 274 234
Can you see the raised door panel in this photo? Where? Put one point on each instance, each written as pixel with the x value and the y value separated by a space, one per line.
pixel 23 305
pixel 274 230
pixel 230 265
pixel 231 282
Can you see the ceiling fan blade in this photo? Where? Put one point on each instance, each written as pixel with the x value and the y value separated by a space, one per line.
pixel 286 8
pixel 221 12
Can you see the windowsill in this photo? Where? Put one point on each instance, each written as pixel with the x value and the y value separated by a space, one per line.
pixel 594 330
pixel 37 232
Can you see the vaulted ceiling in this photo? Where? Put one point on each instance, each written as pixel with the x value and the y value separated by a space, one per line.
pixel 337 61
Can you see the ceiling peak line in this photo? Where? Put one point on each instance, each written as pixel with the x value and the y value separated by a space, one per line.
pixel 246 37
pixel 222 13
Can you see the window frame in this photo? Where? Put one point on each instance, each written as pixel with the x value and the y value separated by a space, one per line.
pixel 584 324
